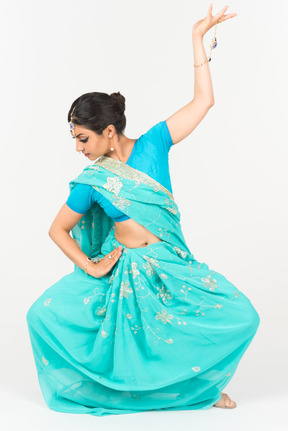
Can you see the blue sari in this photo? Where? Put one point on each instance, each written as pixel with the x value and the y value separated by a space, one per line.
pixel 159 331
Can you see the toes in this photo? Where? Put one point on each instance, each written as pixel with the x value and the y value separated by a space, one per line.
pixel 228 401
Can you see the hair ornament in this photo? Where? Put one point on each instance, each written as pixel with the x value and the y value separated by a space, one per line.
pixel 71 124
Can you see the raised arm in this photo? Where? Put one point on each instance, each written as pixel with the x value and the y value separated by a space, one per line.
pixel 184 121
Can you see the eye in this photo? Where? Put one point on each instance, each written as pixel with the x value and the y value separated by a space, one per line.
pixel 84 140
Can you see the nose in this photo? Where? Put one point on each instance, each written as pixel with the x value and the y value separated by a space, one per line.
pixel 79 149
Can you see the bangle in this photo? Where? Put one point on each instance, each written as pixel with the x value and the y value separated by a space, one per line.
pixel 86 264
pixel 198 65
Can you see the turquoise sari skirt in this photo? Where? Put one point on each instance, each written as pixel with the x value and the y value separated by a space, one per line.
pixel 156 333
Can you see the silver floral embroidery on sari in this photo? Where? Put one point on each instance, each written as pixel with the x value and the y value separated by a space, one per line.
pixel 149 269
pixel 164 317
pixel 125 289
pixel 208 282
pixel 126 171
pixel 97 292
pixel 152 261
pixel 180 252
pixel 164 293
pixel 113 185
pixel 134 269
pixel 172 210
pixel 121 202
pixel 101 311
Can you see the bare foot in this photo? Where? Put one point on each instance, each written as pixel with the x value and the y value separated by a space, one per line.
pixel 225 402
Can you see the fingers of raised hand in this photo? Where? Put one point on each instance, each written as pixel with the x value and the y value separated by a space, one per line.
pixel 219 17
pixel 224 17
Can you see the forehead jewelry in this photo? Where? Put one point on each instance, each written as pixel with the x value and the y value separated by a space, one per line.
pixel 71 124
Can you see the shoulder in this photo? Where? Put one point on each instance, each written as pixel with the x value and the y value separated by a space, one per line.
pixel 83 189
pixel 159 135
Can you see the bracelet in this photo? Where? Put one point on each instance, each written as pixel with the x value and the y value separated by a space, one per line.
pixel 86 264
pixel 97 260
pixel 212 46
pixel 198 65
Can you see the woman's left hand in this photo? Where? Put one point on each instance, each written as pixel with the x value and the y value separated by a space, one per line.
pixel 202 26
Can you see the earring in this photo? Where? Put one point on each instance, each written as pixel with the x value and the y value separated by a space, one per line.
pixel 110 136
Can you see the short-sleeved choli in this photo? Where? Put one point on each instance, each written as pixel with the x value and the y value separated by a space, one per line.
pixel 150 155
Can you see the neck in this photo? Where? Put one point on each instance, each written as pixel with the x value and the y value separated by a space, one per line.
pixel 122 148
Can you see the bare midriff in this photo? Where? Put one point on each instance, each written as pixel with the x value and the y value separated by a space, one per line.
pixel 133 235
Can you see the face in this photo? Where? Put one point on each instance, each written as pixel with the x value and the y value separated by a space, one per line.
pixel 89 142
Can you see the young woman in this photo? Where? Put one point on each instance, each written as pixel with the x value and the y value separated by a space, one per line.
pixel 139 324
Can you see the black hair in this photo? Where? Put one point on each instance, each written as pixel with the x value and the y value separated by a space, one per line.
pixel 95 111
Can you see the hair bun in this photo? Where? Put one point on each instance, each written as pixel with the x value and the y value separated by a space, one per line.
pixel 121 99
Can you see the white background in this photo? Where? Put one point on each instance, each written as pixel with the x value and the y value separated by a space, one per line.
pixel 229 176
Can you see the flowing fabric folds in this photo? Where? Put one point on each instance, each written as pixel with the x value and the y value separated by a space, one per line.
pixel 159 331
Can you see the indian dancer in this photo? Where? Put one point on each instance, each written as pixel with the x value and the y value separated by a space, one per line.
pixel 140 324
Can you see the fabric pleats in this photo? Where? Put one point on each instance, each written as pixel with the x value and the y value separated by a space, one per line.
pixel 157 332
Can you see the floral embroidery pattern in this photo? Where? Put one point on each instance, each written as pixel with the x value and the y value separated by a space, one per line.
pixel 149 269
pixel 125 289
pixel 96 293
pixel 128 172
pixel 164 294
pixel 134 270
pixel 164 317
pixel 208 282
pixel 113 185
pixel 152 261
pixel 121 202
pixel 100 311
pixel 182 253
pixel 196 369
pixel 172 210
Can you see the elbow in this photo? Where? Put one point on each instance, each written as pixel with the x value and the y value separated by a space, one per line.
pixel 51 231
pixel 207 103
pixel 54 231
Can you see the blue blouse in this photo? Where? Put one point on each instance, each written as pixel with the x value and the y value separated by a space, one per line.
pixel 149 155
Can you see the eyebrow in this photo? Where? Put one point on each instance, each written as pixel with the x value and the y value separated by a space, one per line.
pixel 80 135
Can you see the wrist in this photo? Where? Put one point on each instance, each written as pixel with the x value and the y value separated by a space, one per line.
pixel 90 267
pixel 91 270
pixel 196 35
pixel 87 265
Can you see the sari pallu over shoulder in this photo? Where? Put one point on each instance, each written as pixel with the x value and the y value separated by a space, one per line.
pixel 134 193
